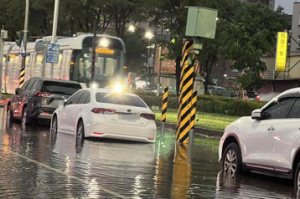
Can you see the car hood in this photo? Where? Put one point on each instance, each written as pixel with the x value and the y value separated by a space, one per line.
pixel 238 125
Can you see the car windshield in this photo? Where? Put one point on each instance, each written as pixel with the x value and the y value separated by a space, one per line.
pixel 63 88
pixel 120 99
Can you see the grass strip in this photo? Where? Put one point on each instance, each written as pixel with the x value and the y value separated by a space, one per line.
pixel 204 120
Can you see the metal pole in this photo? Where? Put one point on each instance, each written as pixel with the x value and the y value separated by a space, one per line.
pixel 94 51
pixel 25 32
pixel 1 62
pixel 148 57
pixel 159 71
pixel 159 56
pixel 54 29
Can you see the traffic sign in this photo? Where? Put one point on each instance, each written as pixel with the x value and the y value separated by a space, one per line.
pixel 52 54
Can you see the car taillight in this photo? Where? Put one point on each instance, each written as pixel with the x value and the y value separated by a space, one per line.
pixel 148 116
pixel 42 94
pixel 103 111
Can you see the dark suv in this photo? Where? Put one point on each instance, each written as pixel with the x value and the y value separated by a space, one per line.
pixel 38 99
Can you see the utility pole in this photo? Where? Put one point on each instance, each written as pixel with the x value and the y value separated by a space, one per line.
pixel 24 47
pixel 159 67
pixel 94 52
pixel 54 29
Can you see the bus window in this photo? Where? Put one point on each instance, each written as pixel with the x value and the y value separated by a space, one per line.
pixel 105 67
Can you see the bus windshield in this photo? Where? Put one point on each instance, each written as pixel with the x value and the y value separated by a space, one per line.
pixel 105 67
pixel 109 61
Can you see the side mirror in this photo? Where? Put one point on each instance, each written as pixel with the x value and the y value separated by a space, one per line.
pixel 65 102
pixel 256 114
pixel 17 91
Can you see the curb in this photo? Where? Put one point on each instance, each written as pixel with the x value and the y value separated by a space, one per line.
pixel 197 130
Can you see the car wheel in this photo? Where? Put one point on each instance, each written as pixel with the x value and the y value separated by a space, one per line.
pixel 54 127
pixel 80 134
pixel 297 177
pixel 9 116
pixel 232 161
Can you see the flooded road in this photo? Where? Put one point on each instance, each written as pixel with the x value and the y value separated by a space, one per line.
pixel 33 165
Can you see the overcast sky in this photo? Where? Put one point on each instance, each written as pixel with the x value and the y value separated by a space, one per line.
pixel 286 4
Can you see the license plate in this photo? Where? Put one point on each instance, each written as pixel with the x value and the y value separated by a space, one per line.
pixel 129 117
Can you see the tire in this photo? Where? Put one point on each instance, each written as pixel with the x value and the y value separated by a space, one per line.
pixel 80 134
pixel 297 178
pixel 232 160
pixel 9 116
pixel 54 127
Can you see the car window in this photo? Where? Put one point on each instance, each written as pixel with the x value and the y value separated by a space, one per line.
pixel 295 110
pixel 128 100
pixel 30 85
pixel 62 88
pixel 279 109
pixel 25 85
pixel 85 98
pixel 74 98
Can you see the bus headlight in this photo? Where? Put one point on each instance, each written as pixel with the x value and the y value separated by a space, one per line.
pixel 118 88
pixel 104 42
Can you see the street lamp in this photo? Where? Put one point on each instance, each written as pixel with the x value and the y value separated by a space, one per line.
pixel 131 28
pixel 148 35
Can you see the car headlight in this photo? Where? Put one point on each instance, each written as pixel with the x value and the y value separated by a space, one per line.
pixel 94 85
pixel 118 88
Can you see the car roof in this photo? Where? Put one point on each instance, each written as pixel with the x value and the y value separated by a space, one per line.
pixel 289 92
pixel 294 92
pixel 104 90
pixel 55 80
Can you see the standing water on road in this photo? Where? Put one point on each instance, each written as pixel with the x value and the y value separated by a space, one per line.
pixel 35 166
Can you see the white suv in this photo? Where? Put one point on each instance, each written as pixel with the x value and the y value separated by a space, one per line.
pixel 268 142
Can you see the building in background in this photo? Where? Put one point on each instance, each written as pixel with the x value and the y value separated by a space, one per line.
pixel 269 3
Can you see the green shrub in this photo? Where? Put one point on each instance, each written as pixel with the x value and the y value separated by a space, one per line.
pixel 209 104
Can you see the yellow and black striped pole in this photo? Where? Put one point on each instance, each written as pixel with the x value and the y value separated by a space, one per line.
pixel 193 118
pixel 185 96
pixel 194 110
pixel 22 76
pixel 164 108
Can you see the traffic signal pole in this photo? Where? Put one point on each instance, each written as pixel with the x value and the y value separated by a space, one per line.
pixel 25 33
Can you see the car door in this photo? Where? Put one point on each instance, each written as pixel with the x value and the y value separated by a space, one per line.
pixel 77 110
pixel 16 102
pixel 286 138
pixel 26 97
pixel 259 140
pixel 70 108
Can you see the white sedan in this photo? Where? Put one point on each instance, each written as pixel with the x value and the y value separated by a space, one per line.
pixel 106 114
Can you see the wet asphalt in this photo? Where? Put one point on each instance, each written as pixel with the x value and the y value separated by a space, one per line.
pixel 34 165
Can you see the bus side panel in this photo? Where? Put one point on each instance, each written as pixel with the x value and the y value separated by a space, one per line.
pixel 27 68
pixel 65 64
pixel 13 73
pixel 57 68
pixel 38 65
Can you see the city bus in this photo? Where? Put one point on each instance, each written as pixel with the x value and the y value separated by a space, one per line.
pixel 75 61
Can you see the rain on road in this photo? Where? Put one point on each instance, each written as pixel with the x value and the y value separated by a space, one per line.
pixel 32 165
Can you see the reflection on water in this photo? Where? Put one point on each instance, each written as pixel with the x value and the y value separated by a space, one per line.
pixel 104 168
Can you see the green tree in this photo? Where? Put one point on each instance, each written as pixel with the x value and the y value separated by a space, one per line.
pixel 245 32
pixel 253 35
